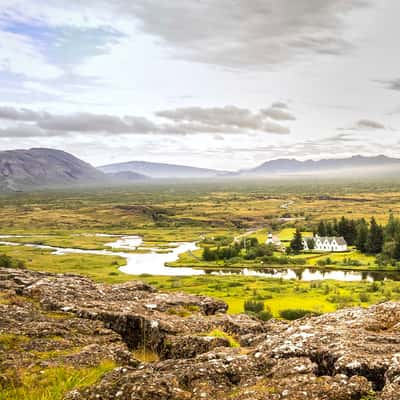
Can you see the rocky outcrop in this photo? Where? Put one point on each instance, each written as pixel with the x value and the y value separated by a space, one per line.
pixel 353 354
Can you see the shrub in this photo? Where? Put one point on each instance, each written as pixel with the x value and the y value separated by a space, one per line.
pixel 291 314
pixel 374 287
pixel 8 262
pixel 364 297
pixel 253 306
pixel 340 299
pixel 265 315
pixel 234 284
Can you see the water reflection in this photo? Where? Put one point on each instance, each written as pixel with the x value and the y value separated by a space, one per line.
pixel 154 262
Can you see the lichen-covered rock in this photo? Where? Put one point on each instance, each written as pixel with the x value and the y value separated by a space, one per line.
pixel 66 319
pixel 177 347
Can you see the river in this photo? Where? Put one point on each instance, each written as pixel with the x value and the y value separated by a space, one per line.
pixel 153 262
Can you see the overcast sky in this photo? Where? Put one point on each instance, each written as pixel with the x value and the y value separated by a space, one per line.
pixel 215 83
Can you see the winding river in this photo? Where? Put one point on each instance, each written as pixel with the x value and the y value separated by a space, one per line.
pixel 153 262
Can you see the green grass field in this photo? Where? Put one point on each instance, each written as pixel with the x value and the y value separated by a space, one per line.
pixel 162 214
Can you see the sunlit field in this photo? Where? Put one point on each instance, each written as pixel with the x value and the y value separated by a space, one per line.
pixel 165 214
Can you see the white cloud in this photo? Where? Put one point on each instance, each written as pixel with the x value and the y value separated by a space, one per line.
pixel 245 33
pixel 195 120
pixel 278 114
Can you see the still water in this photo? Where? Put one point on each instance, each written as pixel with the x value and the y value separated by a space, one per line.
pixel 154 262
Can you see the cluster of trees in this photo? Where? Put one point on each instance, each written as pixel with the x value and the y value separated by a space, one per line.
pixel 368 237
pixel 220 253
pixel 248 248
pixel 348 228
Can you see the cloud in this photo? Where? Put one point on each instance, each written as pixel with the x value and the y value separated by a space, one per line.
pixel 278 114
pixel 365 125
pixel 22 114
pixel 279 104
pixel 86 122
pixel 392 84
pixel 369 124
pixel 223 119
pixel 181 121
pixel 245 33
pixel 25 131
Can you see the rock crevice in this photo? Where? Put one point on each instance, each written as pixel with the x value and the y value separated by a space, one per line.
pixel 351 354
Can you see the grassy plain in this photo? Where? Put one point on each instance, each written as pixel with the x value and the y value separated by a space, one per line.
pixel 166 213
pixel 281 294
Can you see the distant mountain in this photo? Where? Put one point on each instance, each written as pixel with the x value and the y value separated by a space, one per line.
pixel 22 170
pixel 125 176
pixel 356 164
pixel 30 169
pixel 160 170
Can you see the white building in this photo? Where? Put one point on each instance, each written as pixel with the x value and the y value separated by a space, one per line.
pixel 274 240
pixel 326 243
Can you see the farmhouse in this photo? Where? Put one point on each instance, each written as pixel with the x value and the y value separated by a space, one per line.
pixel 326 243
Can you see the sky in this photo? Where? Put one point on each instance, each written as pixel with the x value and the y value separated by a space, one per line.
pixel 224 84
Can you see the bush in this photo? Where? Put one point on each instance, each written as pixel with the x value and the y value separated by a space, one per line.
pixel 265 315
pixel 340 299
pixel 326 261
pixel 374 287
pixel 282 260
pixel 292 314
pixel 364 297
pixel 253 306
pixel 8 262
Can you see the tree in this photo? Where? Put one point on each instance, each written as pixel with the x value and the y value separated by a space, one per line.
pixel 388 250
pixel 392 229
pixel 375 238
pixel 362 236
pixel 396 250
pixel 343 228
pixel 321 229
pixel 311 243
pixel 297 242
pixel 347 228
pixel 352 233
pixel 209 255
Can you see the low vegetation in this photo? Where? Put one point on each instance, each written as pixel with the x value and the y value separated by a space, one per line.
pixel 52 383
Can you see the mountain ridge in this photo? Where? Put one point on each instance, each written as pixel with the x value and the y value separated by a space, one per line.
pixel 42 167
pixel 293 166
pixel 160 170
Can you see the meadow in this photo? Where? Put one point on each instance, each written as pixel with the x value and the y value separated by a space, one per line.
pixel 166 213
